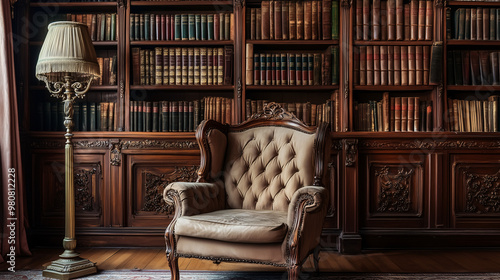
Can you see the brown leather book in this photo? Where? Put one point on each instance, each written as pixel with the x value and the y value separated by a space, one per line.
pixel 203 68
pixel 391 19
pixel 404 65
pixel 284 72
pixel 383 66
pixel 375 15
pixel 479 23
pixel 158 66
pixel 258 23
pixel 400 22
pixel 416 114
pixel 217 26
pixel 166 63
pixel 383 25
pixel 419 66
pixel 475 74
pixel 397 65
pixel 136 64
pixel 366 20
pixel 414 10
pixel 307 20
pixel 298 69
pixel 404 114
pixel 426 62
pixel 359 20
pixel 494 68
pixel 300 19
pixel 362 65
pixel 486 23
pixel 356 67
pixel 197 66
pixel 369 65
pixel 386 111
pixel 210 66
pixel 271 19
pixel 284 19
pixel 391 114
pixel 429 118
pixel 278 28
pixel 265 6
pixel 292 16
pixel 390 65
pixel 473 24
pixel 484 68
pixel 429 19
pixel 252 23
pixel 314 20
pixel 422 8
pixel 412 66
pixel 466 67
pixel 376 65
pixel 190 66
pixel 397 114
pixel 411 114
pixel 407 21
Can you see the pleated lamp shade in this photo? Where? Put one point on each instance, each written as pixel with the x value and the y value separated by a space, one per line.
pixel 67 50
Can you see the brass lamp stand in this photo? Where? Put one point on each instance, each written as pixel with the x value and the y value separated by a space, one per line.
pixel 68 64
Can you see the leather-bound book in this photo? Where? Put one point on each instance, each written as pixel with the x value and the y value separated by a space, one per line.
pixel 249 64
pixel 185 66
pixel 284 72
pixel 404 65
pixel 400 21
pixel 258 24
pixel 210 66
pixel 486 115
pixel 229 26
pixel 457 59
pixel 148 115
pixel 448 23
pixel 391 20
pixel 429 19
pixel 386 111
pixel 362 65
pixel 278 29
pixel 397 114
pixel 210 27
pixel 314 20
pixel 497 23
pixel 217 27
pixel 166 63
pixel 154 116
pixel 494 101
pixel 493 24
pixel 429 116
pixel 467 27
pixel 265 6
pixel 376 28
pixel 292 16
pixel 366 20
pixel 485 68
pixel 466 67
pixel 390 65
pixel 486 23
pixel 263 69
pixel 298 69
pixel 436 64
pixel 383 21
pixel 397 65
pixel 356 67
pixel 204 66
pixel 369 65
pixel 479 23
pixel 269 69
pixel 407 21
pixel 383 65
pixel 422 7
pixel 392 114
pixel 158 66
pixel 171 66
pixel 412 62
pixel 328 65
pixel 291 69
pixel 426 61
pixel 419 65
pixel 335 65
pixel 494 68
pixel 197 66
pixel 335 20
pixel 416 114
pixel 307 20
pixel 376 65
pixel 411 114
pixel 473 24
pixel 404 114
pixel 271 19
pixel 284 19
pixel 300 19
pixel 133 27
pixel 273 69
pixel 250 28
pixel 475 72
pixel 197 27
pixel 414 10
pixel 359 20
pixel 228 64
pixel 136 74
pixel 256 69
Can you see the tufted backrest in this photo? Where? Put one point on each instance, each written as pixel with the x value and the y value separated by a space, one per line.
pixel 265 165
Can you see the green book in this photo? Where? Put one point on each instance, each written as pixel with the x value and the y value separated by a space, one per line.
pixel 204 30
pixel 137 27
pixel 184 27
pixel 160 118
pixel 263 68
pixel 191 27
pixel 190 116
pixel 92 113
pixel 84 117
pixel 335 20
pixel 113 27
pixel 222 33
pixel 147 27
pixel 197 31
pixel 148 115
pixel 456 20
pixel 132 27
pixel 335 65
pixel 155 117
pixel 103 27
pixel 164 116
pixel 177 27
pixel 98 116
pixel 174 109
pixel 140 116
pixel 180 116
pixel 210 27
pixel 185 116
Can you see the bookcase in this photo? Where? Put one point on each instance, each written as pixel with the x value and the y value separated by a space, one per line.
pixel 414 152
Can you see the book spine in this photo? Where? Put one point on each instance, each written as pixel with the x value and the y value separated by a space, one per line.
pixel 335 20
pixel 369 66
pixel 362 65
pixel 422 10
pixel 397 65
pixel 285 19
pixel 376 29
pixel 391 20
pixel 407 21
pixel 278 30
pixel 383 65
pixel 265 6
pixel 473 24
pixel 158 66
pixel 404 65
pixel 300 19
pixel 429 19
pixel 376 65
pixel 366 20
pixel 359 20
pixel 404 114
pixel 414 10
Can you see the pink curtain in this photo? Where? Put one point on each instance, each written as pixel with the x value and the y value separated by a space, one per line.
pixel 12 203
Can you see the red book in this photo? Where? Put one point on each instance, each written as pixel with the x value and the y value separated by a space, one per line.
pixel 397 65
pixel 359 20
pixel 216 27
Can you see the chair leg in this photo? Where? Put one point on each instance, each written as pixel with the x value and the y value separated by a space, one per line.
pixel 174 266
pixel 294 272
pixel 316 260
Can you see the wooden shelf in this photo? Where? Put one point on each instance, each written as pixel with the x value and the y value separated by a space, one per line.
pixel 413 135
pixel 473 3
pixel 315 88
pixel 182 87
pixel 473 43
pixel 182 43
pixel 181 3
pixel 393 88
pixel 393 43
pixel 293 42
pixel 474 88
pixel 113 134
pixel 73 4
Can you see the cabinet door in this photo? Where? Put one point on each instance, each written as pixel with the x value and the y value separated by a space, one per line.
pixel 475 191
pixel 49 189
pixel 392 192
pixel 147 178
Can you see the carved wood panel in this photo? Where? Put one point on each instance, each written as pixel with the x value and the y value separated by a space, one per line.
pixel 393 192
pixel 149 175
pixel 476 191
pixel 49 190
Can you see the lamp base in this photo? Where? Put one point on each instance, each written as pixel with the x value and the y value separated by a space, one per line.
pixel 69 268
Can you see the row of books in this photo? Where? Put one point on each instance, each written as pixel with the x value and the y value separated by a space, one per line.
pixel 473 24
pixel 394 20
pixel 474 115
pixel 154 27
pixel 294 20
pixel 108 67
pixel 74 1
pixel 398 114
pixel 290 68
pixel 392 65
pixel 102 27
pixel 473 67
pixel 90 116
pixel 182 66
pixel 178 116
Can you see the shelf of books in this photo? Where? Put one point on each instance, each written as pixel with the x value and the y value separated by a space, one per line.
pixel 181 64
pixel 292 57
pixel 392 45
pixel 472 67
pixel 98 112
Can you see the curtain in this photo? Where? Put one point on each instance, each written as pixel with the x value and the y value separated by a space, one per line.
pixel 13 221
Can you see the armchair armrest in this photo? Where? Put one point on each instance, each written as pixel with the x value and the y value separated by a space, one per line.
pixel 307 199
pixel 194 198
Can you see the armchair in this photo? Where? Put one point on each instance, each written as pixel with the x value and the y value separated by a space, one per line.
pixel 260 195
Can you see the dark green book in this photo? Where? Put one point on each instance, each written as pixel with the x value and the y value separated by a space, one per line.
pixel 154 116
pixel 159 117
pixel 263 68
pixel 92 115
pixel 132 27
pixel 190 116
pixel 148 115
pixel 180 116
pixel 210 27
pixel 305 69
pixel 461 24
pixel 164 116
pixel 191 27
pixel 335 20
pixel 138 30
pixel 204 30
pixel 98 116
pixel 147 27
pixel 335 65
pixel 184 27
pixel 457 59
pixel 84 117
pixel 291 69
pixel 450 71
pixel 456 20
pixel 113 28
pixel 222 26
pixel 177 27
pixel 174 116
pixel 448 23
pixel 273 69
pixel 140 116
pixel 47 116
pixel 197 27
pixel 185 116
pixel 103 27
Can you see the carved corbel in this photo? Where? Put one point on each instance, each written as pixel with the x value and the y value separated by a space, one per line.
pixel 350 150
pixel 115 153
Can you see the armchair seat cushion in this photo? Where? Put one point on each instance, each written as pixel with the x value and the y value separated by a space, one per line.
pixel 235 225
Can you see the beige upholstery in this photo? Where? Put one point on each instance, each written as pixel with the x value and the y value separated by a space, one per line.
pixel 259 197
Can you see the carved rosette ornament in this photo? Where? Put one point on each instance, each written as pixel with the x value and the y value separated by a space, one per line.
pixel 273 111
pixel 483 193
pixel 394 190
pixel 350 150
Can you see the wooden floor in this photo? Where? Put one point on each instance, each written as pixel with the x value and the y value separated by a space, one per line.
pixel 369 261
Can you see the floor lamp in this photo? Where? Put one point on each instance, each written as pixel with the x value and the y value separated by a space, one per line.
pixel 67 64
